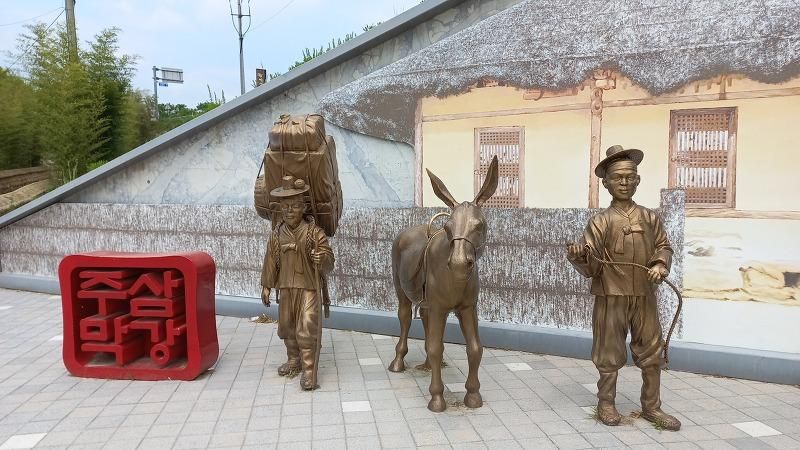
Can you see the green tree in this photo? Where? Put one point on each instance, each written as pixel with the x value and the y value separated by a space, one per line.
pixel 139 126
pixel 18 146
pixel 111 75
pixel 68 110
pixel 72 124
pixel 171 115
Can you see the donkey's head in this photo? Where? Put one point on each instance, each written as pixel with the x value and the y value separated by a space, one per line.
pixel 466 227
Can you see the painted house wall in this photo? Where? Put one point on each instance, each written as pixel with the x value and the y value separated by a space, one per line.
pixel 767 150
pixel 766 143
pixel 555 144
pixel 769 155
pixel 551 150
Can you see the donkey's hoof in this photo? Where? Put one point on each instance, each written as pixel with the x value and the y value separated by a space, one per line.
pixel 397 366
pixel 437 404
pixel 473 400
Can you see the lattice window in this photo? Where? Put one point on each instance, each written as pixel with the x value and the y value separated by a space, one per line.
pixel 703 156
pixel 509 146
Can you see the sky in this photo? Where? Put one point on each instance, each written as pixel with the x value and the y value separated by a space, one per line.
pixel 198 35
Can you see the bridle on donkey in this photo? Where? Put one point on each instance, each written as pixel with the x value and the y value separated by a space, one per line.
pixel 423 303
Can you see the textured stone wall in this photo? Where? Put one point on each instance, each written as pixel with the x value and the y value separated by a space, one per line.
pixel 524 273
pixel 525 276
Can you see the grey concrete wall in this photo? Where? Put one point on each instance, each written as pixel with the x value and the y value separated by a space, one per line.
pixel 218 166
pixel 525 276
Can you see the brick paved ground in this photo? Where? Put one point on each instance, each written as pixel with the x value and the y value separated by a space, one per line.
pixel 531 401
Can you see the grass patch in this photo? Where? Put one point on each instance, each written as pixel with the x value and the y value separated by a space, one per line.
pixel 262 318
pixel 659 424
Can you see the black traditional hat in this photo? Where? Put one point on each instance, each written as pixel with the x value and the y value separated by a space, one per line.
pixel 615 153
pixel 290 186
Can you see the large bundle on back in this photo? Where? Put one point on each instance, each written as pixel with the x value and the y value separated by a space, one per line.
pixel 299 147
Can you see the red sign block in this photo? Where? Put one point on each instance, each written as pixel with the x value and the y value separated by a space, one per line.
pixel 139 316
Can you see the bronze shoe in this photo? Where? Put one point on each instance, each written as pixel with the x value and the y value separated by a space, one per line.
pixel 608 414
pixel 662 420
pixel 306 385
pixel 289 368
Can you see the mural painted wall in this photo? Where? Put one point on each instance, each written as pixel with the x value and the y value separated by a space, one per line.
pixel 748 253
pixel 429 96
pixel 533 83
pixel 538 85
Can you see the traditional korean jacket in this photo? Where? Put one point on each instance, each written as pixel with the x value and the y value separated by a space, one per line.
pixel 636 236
pixel 287 263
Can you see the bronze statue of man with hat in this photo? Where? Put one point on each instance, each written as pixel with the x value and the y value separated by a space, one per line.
pixel 298 255
pixel 624 296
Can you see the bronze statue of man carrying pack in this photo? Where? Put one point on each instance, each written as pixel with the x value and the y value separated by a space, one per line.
pixel 301 194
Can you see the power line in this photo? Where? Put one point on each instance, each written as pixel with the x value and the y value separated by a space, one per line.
pixel 233 14
pixel 32 18
pixel 24 52
pixel 274 15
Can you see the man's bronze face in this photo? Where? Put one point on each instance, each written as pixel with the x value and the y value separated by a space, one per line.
pixel 293 209
pixel 622 180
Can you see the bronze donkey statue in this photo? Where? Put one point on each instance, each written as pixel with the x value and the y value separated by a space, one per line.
pixel 438 272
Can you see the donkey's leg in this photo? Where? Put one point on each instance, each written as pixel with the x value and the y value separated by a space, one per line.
pixel 468 319
pixel 404 314
pixel 435 349
pixel 427 364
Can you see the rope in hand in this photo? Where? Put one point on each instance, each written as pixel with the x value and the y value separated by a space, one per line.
pixel 674 288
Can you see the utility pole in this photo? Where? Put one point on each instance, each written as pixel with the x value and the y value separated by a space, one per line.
pixel 241 45
pixel 72 34
pixel 241 32
pixel 155 89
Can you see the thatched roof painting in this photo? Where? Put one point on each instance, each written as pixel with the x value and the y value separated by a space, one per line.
pixel 555 44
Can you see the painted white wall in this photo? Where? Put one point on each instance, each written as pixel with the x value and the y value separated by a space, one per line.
pixel 752 325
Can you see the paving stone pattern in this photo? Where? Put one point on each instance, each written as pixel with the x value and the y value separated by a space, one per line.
pixel 530 401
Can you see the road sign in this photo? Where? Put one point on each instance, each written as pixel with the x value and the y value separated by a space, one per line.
pixel 167 76
pixel 172 75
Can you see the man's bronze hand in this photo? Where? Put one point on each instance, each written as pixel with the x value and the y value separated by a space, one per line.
pixel 265 296
pixel 316 257
pixel 657 273
pixel 575 252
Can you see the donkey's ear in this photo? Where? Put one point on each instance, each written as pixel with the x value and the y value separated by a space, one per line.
pixel 441 191
pixel 489 184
